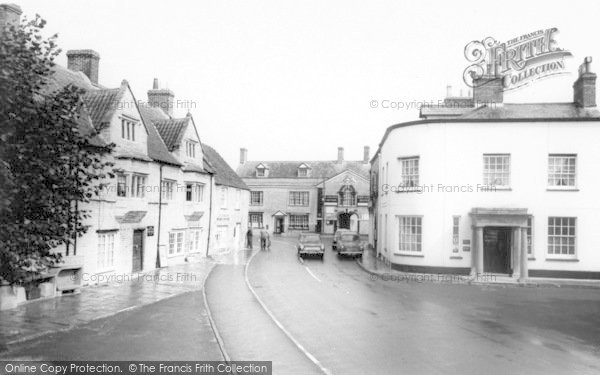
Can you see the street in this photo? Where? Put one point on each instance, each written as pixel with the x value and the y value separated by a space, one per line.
pixel 352 324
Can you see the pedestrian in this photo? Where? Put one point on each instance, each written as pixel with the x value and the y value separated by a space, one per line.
pixel 249 238
pixel 265 241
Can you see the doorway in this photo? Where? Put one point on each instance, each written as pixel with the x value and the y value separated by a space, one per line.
pixel 496 249
pixel 279 224
pixel 344 221
pixel 138 250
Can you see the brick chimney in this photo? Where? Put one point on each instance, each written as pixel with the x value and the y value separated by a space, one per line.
pixel 161 98
pixel 488 89
pixel 340 154
pixel 10 15
pixel 243 155
pixel 584 89
pixel 86 61
pixel 366 152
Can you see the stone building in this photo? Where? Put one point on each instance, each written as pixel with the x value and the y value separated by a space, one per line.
pixel 493 187
pixel 320 196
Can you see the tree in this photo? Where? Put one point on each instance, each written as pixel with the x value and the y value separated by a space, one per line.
pixel 48 164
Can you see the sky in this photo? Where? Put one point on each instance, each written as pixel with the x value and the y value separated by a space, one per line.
pixel 295 80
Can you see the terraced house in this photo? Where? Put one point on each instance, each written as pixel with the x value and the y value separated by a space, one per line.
pixel 320 196
pixel 157 211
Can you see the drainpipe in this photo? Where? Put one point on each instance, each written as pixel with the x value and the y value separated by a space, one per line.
pixel 210 209
pixel 160 173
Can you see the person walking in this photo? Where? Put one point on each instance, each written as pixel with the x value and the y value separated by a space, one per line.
pixel 265 241
pixel 249 239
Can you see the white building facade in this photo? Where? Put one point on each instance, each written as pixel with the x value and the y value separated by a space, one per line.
pixel 494 188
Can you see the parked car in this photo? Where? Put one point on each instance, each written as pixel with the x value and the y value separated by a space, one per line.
pixel 310 244
pixel 336 237
pixel 349 244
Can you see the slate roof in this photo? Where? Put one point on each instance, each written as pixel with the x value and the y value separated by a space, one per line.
pixel 289 169
pixel 224 174
pixel 157 149
pixel 102 104
pixel 513 111
pixel 172 130
pixel 532 111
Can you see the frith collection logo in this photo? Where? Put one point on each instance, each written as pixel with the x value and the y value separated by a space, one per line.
pixel 518 61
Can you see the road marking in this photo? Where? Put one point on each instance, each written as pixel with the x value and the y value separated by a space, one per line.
pixel 312 274
pixel 312 358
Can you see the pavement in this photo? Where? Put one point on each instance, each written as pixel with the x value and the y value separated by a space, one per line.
pixel 378 268
pixel 36 319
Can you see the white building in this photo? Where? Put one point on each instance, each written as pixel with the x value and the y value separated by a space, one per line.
pixel 498 188
pixel 164 206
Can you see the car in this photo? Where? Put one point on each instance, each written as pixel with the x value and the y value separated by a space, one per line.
pixel 310 244
pixel 337 235
pixel 349 244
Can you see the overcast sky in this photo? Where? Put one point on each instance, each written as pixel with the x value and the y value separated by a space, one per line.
pixel 293 80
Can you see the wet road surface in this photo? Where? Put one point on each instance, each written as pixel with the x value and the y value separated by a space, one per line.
pixel 247 331
pixel 353 324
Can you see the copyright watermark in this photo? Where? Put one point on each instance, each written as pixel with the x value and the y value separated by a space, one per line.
pixel 420 278
pixel 119 278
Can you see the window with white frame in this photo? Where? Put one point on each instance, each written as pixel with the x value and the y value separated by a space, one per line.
pixel 410 238
pixel 298 222
pixel 562 171
pixel 223 197
pixel 121 185
pixel 190 149
pixel 410 171
pixel 302 172
pixel 529 231
pixel 260 172
pixel 298 198
pixel 167 189
pixel 561 236
pixel 193 240
pixel 255 219
pixel 348 196
pixel 128 129
pixel 455 233
pixel 106 250
pixel 138 185
pixel 256 198
pixel 238 198
pixel 496 170
pixel 176 242
pixel 194 192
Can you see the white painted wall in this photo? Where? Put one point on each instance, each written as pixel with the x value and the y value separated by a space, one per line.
pixel 452 154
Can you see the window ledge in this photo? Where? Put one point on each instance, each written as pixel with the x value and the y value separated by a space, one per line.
pixel 409 255
pixel 455 257
pixel 562 189
pixel 492 189
pixel 530 258
pixel 562 259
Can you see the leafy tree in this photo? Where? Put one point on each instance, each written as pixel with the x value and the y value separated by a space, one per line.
pixel 48 164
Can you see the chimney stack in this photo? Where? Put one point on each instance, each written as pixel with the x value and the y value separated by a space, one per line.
pixel 584 89
pixel 488 89
pixel 243 155
pixel 86 61
pixel 10 15
pixel 366 155
pixel 161 98
pixel 340 154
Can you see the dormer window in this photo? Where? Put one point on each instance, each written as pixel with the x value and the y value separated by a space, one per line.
pixel 190 149
pixel 261 171
pixel 303 170
pixel 128 129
